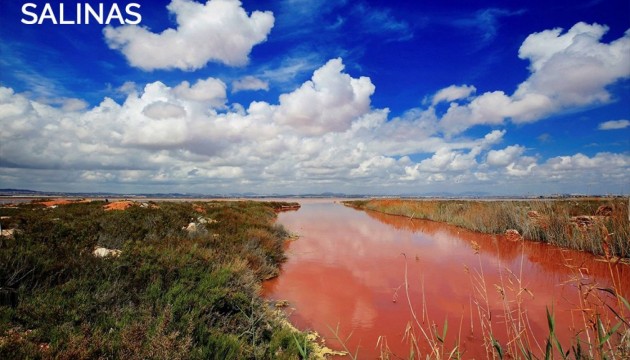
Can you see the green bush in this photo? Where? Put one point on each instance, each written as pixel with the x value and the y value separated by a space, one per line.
pixel 169 294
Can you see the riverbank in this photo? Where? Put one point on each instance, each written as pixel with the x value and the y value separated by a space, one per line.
pixel 427 289
pixel 598 226
pixel 144 280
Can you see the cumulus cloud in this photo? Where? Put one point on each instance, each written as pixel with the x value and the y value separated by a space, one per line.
pixel 163 110
pixel 568 71
pixel 452 158
pixel 73 104
pixel 505 156
pixel 452 93
pixel 249 83
pixel 323 135
pixel 614 125
pixel 574 68
pixel 219 31
pixel 330 101
pixel 210 91
pixel 581 161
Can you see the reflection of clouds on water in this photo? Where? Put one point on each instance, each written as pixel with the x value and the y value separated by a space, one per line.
pixel 363 314
pixel 346 266
pixel 340 298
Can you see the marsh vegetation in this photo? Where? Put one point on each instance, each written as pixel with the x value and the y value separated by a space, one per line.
pixel 183 281
pixel 598 226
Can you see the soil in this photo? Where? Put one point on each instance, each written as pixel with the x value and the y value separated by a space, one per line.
pixel 119 205
pixel 58 202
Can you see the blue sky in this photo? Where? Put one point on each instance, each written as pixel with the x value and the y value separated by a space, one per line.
pixel 299 96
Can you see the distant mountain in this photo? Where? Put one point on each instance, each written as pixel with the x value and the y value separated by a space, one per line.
pixel 446 194
pixel 26 192
pixel 17 191
pixel 252 195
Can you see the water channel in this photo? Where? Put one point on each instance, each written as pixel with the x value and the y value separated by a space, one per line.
pixel 346 273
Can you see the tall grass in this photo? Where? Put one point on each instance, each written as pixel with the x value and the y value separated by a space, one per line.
pixel 600 329
pixel 600 323
pixel 571 224
pixel 170 294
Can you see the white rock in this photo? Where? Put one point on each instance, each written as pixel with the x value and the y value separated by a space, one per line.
pixel 104 252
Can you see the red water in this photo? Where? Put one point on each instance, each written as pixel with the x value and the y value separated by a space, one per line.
pixel 347 272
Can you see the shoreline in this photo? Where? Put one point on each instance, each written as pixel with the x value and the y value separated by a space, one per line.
pixel 552 221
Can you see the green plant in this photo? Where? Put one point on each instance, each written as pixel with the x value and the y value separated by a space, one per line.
pixel 166 295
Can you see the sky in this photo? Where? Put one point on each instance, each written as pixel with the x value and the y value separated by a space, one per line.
pixel 311 96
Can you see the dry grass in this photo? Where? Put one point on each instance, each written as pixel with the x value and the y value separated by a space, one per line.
pixel 598 226
pixel 600 325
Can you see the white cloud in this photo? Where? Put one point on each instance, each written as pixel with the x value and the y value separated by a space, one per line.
pixel 505 156
pixel 249 83
pixel 451 158
pixel 573 69
pixel 540 48
pixel 127 88
pixel 289 71
pixel 614 125
pixel 211 91
pixel 72 104
pixel 452 93
pixel 219 30
pixel 322 136
pixel 568 71
pixel 581 161
pixel 163 110
pixel 330 101
pixel 522 166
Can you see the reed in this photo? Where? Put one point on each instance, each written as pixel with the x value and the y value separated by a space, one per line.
pixel 598 226
pixel 601 329
pixel 600 326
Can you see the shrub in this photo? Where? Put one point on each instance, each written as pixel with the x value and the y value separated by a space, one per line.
pixel 168 295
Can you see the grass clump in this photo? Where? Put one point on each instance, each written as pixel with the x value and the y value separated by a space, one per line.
pixel 598 226
pixel 174 291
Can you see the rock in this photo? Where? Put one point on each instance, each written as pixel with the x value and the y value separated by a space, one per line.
pixel 149 205
pixel 533 214
pixel 105 252
pixel 195 228
pixel 191 228
pixel 203 220
pixel 604 210
pixel 583 221
pixel 7 233
pixel 513 235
